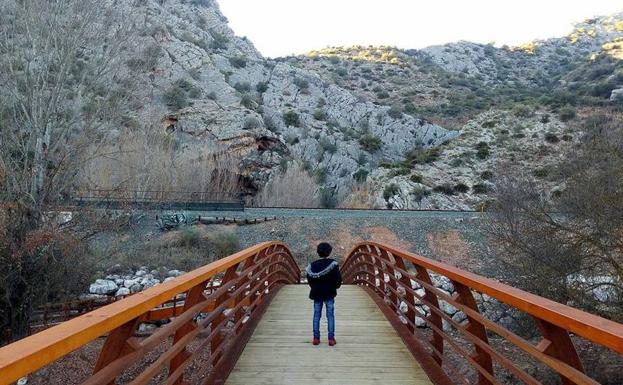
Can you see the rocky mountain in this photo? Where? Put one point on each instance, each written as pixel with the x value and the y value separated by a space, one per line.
pixel 207 85
pixel 407 128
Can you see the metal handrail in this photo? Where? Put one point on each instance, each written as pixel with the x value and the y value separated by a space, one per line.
pixel 248 279
pixel 385 269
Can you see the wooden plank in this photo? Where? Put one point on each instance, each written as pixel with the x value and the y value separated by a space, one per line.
pixel 368 350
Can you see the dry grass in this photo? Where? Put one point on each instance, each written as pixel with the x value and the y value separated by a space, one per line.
pixel 150 161
pixel 361 197
pixel 292 188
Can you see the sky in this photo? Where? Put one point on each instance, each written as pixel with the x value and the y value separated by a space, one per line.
pixel 284 27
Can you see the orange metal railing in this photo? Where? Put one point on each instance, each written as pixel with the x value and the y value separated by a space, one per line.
pixel 392 274
pixel 211 325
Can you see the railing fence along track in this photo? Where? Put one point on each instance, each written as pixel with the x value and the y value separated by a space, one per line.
pixel 390 273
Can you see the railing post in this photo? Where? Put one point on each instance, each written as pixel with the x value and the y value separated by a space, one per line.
pixel 389 261
pixel 408 298
pixel 464 296
pixel 557 343
pixel 116 345
pixel 433 317
pixel 217 340
pixel 194 296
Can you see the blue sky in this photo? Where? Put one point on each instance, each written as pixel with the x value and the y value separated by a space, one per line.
pixel 282 27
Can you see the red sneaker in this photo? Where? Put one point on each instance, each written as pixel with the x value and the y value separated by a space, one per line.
pixel 316 341
pixel 332 341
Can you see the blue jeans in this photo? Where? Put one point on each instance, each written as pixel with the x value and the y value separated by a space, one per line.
pixel 330 304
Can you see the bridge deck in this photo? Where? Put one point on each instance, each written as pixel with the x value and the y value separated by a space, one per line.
pixel 368 350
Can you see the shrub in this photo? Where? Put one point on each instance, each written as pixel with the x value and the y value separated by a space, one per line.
pixel 238 61
pixel 176 97
pixel 319 114
pixel 382 94
pixel 480 188
pixel 445 188
pixel 522 111
pixel 545 118
pixel 361 175
pixel 483 150
pixel 540 172
pixel 370 143
pixel 327 145
pixel 291 118
pixel 261 87
pixel 343 72
pixel 551 138
pixel 219 42
pixel 488 124
pixel 461 188
pixel 486 175
pixel 328 200
pixel 390 190
pixel 420 193
pixel 212 95
pixel 566 114
pixel 422 155
pixel 301 83
pixel 395 112
pixel 190 237
pixel 247 101
pixel 251 123
pixel 321 174
pixel 242 87
pixel 224 243
pixel 416 178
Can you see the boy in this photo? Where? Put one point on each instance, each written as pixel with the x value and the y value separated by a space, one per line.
pixel 324 278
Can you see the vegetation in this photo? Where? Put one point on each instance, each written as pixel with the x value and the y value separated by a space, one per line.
pixel 370 143
pixel 45 69
pixel 291 118
pixel 576 253
pixel 238 61
pixel 361 175
pixel 421 155
pixel 292 188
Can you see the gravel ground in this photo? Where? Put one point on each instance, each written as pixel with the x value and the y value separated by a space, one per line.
pixel 453 237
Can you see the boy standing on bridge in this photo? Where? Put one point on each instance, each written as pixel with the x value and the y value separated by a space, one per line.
pixel 324 278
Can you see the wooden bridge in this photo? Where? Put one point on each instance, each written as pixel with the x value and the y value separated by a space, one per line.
pixel 245 319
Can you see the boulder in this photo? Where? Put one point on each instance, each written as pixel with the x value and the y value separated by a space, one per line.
pixel 131 282
pixel 149 282
pixel 123 291
pixel 103 286
pixel 135 288
pixel 616 95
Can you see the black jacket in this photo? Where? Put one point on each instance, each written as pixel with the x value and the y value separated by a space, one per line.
pixel 324 278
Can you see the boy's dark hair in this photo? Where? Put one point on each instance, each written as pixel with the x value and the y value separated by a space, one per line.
pixel 324 249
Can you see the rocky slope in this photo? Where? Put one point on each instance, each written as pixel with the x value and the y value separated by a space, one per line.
pixel 364 115
pixel 513 106
pixel 208 85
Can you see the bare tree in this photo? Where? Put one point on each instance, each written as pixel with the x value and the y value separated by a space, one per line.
pixel 64 85
pixel 292 188
pixel 568 245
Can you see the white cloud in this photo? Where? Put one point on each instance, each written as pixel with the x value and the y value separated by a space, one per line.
pixel 282 27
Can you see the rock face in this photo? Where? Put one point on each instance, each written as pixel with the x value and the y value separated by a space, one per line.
pixel 265 111
pixel 345 118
